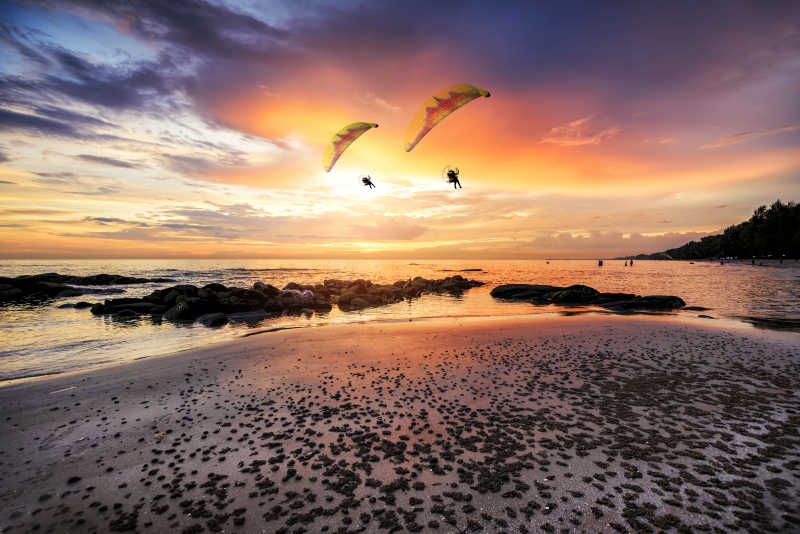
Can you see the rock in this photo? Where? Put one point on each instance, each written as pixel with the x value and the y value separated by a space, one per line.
pixel 581 294
pixel 124 314
pixel 9 293
pixel 613 297
pixel 69 292
pixel 139 307
pixel 576 294
pixel 358 303
pixel 178 312
pixel 651 302
pixel 523 291
pixel 266 289
pixel 82 304
pixel 216 288
pixel 68 305
pixel 213 319
pixel 297 287
pixel 116 303
pixel 45 286
pixel 214 303
pixel 695 308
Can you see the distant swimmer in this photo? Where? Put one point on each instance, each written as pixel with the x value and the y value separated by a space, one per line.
pixel 599 263
pixel 626 263
pixel 367 180
pixel 452 177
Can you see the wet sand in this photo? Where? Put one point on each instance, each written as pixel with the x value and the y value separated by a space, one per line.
pixel 537 424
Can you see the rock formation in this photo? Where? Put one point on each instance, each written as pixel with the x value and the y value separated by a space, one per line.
pixel 585 295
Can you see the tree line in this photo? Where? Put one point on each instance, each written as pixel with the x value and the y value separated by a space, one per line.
pixel 771 231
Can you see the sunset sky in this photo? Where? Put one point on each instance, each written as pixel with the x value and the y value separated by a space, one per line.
pixel 192 129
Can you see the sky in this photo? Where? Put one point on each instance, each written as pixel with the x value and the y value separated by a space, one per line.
pixel 196 129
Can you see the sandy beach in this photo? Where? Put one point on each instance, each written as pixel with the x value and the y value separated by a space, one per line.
pixel 537 424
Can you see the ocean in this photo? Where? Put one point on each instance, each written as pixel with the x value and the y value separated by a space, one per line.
pixel 37 340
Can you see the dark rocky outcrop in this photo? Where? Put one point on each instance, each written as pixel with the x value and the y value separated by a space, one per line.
pixel 523 291
pixel 650 302
pixel 213 319
pixel 211 305
pixel 93 280
pixel 46 286
pixel 37 291
pixel 585 295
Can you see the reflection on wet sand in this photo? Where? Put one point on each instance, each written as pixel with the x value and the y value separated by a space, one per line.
pixel 595 423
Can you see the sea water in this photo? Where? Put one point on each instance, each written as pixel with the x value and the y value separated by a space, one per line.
pixel 44 339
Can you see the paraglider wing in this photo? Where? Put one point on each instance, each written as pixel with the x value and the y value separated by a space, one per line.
pixel 437 108
pixel 343 139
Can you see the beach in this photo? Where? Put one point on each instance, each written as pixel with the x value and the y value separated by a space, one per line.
pixel 595 423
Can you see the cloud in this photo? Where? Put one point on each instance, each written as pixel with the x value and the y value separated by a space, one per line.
pixel 108 220
pixel 6 182
pixel 128 87
pixel 380 102
pixel 194 25
pixel 578 133
pixel 20 41
pixel 388 229
pixel 100 191
pixel 612 242
pixel 33 212
pixel 190 165
pixel 69 116
pixel 747 136
pixel 103 160
pixel 14 121
pixel 11 120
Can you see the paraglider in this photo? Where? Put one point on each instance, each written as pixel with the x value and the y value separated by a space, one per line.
pixel 343 139
pixel 437 108
pixel 367 180
pixel 451 175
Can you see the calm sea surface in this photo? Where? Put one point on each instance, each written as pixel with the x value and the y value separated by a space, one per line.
pixel 43 339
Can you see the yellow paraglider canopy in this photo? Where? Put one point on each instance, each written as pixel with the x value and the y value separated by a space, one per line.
pixel 437 108
pixel 343 139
